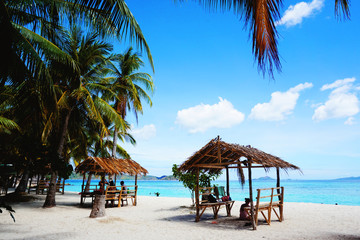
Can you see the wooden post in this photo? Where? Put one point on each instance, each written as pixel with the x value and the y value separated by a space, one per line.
pixel 227 181
pixel 30 185
pixel 251 195
pixel 63 186
pixel 197 218
pixel 278 182
pixel 135 179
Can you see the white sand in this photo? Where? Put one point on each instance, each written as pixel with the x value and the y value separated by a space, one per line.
pixel 165 218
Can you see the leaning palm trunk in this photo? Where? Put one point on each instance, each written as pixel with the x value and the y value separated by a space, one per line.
pixel 87 186
pixel 113 154
pixel 50 197
pixel 21 188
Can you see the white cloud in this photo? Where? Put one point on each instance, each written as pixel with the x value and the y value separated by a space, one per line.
pixel 342 101
pixel 144 133
pixel 350 121
pixel 295 14
pixel 280 105
pixel 202 117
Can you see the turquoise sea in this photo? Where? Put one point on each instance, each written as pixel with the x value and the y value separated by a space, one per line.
pixel 314 191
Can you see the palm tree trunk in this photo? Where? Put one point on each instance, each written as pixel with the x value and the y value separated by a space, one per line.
pixel 50 197
pixel 21 188
pixel 113 154
pixel 87 186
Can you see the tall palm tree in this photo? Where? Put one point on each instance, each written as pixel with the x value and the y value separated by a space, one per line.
pixel 74 87
pixel 128 84
pixel 30 28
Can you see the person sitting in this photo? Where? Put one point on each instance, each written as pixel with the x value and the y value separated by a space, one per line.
pixel 102 184
pixel 111 183
pixel 243 214
pixel 123 193
pixel 123 187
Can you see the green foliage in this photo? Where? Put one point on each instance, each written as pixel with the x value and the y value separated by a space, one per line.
pixel 189 179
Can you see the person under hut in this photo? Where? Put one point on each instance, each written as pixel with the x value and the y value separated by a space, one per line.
pixel 243 214
pixel 102 185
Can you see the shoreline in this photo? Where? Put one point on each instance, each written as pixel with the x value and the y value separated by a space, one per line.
pixel 156 217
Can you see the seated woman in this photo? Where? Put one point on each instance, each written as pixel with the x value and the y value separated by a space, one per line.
pixel 102 184
pixel 243 214
pixel 123 187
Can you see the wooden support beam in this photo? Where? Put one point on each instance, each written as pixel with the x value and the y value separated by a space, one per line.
pixel 208 166
pixel 197 202
pixel 209 150
pixel 227 182
pixel 219 152
pixel 222 157
pixel 251 196
pixel 278 182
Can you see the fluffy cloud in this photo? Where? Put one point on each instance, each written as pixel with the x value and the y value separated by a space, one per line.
pixel 144 133
pixel 280 105
pixel 202 117
pixel 342 101
pixel 295 14
pixel 350 121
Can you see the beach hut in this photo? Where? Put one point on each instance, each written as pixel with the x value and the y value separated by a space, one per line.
pixel 218 155
pixel 108 166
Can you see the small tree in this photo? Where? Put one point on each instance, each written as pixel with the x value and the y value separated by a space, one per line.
pixel 189 179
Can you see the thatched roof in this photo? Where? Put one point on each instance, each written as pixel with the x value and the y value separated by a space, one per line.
pixel 217 155
pixel 97 165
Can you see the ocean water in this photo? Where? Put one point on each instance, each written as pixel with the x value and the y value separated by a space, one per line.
pixel 310 191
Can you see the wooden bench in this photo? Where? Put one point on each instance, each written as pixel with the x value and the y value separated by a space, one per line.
pixel 92 191
pixel 112 193
pixel 44 185
pixel 269 205
pixel 205 203
pixel 131 193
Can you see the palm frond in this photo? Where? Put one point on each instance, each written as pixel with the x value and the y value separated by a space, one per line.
pixel 342 9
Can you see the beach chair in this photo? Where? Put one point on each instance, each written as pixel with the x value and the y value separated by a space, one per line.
pixel 204 203
pixel 112 194
pixel 269 205
pixel 220 192
pixel 129 193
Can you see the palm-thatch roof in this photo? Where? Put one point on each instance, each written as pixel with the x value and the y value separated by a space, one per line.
pixel 97 165
pixel 218 154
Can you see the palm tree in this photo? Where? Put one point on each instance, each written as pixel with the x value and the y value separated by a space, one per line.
pixel 75 86
pixel 30 31
pixel 128 85
pixel 260 16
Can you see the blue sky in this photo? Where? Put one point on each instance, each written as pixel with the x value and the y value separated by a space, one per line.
pixel 207 84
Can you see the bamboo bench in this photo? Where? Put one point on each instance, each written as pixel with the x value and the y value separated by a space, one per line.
pixel 44 185
pixel 204 203
pixel 269 205
pixel 92 191
pixel 112 193
pixel 131 193
pixel 116 193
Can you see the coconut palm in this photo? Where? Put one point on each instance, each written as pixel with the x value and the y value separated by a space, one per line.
pixel 260 17
pixel 74 87
pixel 30 31
pixel 128 84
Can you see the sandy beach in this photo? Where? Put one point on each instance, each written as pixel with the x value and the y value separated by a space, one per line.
pixel 171 218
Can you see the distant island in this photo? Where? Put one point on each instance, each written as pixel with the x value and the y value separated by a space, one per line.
pixel 128 177
pixel 267 178
pixel 348 179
